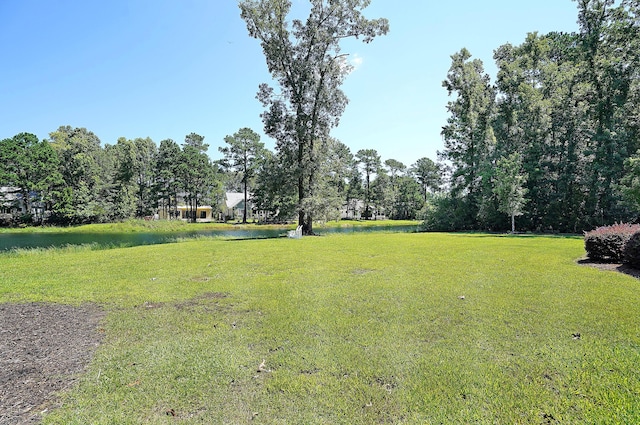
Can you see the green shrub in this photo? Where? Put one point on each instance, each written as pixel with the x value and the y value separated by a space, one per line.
pixel 608 243
pixel 632 251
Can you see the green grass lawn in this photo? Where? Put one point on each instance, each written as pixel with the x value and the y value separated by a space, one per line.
pixel 349 329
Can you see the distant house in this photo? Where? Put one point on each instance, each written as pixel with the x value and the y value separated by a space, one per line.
pixel 182 211
pixel 204 213
pixel 352 210
pixel 234 205
pixel 11 201
pixel 355 210
pixel 13 206
pixel 231 210
pixel 234 208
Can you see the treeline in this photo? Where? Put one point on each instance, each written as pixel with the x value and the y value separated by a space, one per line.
pixel 569 106
pixel 72 178
pixel 360 185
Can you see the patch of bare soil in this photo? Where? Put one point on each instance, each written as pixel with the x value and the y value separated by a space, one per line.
pixel 616 267
pixel 43 349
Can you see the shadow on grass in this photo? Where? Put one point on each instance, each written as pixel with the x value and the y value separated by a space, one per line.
pixel 518 235
pixel 614 267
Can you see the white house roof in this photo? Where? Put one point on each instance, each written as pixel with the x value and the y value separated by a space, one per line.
pixel 232 199
pixel 8 193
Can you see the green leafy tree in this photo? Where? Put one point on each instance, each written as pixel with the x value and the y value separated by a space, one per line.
pixel 395 167
pixel 197 173
pixel 428 174
pixel 568 103
pixel 145 157
pixel 396 170
pixel 242 156
pixel 466 134
pixel 32 166
pixel 370 162
pixel 123 190
pixel 83 195
pixel 609 58
pixel 409 199
pixel 340 162
pixel 382 195
pixel 306 61
pixel 167 171
pixel 509 186
pixel 275 191
pixel 630 182
pixel 354 190
pixel 538 114
pixel 334 161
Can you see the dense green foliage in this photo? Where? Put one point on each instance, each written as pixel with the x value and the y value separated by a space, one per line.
pixel 304 58
pixel 508 186
pixel 568 103
pixel 354 329
pixel 632 251
pixel 32 167
pixel 72 179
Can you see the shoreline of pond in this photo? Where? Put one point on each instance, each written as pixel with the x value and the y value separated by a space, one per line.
pixel 11 241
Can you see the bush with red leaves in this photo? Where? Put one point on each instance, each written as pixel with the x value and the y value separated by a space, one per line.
pixel 608 243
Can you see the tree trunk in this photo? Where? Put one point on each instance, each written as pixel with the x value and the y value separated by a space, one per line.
pixel 244 211
pixel 513 223
pixel 307 225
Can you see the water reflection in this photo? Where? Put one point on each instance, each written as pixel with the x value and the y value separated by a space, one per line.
pixel 10 241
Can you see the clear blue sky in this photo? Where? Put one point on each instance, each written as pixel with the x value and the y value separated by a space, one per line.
pixel 166 68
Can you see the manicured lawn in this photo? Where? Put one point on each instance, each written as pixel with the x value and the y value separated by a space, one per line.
pixel 348 329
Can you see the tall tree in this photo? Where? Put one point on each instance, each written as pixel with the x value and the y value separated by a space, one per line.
pixel 83 196
pixel 197 173
pixel 353 191
pixel 569 103
pixel 370 162
pixel 334 161
pixel 467 140
pixel 145 157
pixel 428 174
pixel 32 166
pixel 509 186
pixel 528 76
pixel 167 177
pixel 609 41
pixel 242 156
pixel 124 187
pixel 275 191
pixel 306 60
pixel 630 182
pixel 409 199
pixel 395 167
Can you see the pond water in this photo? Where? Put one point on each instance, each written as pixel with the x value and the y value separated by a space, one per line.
pixel 10 241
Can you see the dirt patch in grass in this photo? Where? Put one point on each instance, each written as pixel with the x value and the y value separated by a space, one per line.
pixel 615 267
pixel 43 349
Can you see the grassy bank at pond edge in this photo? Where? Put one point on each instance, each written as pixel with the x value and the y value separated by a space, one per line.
pixel 352 329
pixel 142 226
